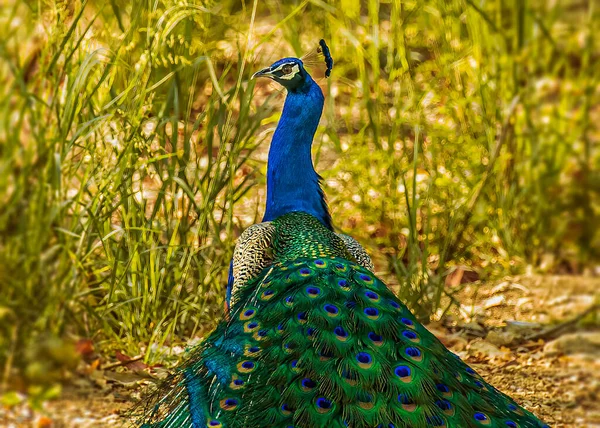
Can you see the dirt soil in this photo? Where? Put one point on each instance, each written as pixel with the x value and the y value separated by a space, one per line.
pixel 555 374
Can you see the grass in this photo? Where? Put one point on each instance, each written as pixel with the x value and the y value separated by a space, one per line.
pixel 132 152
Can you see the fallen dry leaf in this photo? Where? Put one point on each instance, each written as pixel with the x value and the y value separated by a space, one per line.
pixel 461 275
pixel 44 422
pixel 130 363
pixel 84 347
pixel 500 338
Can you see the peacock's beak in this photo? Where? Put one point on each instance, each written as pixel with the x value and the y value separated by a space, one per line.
pixel 265 72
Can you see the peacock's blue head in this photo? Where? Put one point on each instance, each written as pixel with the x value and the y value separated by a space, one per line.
pixel 288 72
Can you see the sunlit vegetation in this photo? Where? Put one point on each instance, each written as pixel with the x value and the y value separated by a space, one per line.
pixel 133 145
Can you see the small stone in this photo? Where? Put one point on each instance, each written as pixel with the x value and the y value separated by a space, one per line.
pixel 575 343
pixel 500 338
pixel 494 301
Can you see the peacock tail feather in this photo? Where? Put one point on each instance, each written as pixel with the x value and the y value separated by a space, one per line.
pixel 317 340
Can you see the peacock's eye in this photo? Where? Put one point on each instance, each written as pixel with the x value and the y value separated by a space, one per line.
pixel 286 69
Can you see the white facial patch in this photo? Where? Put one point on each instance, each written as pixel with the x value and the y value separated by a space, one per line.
pixel 289 76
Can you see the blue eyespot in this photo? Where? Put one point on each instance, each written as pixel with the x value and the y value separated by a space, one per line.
pixel 443 404
pixel 238 382
pixel 323 403
pixel 249 312
pixel 343 283
pixel 372 295
pixel 339 331
pixel 375 337
pixel 313 291
pixel 470 370
pixel 248 365
pixel 332 309
pixel 442 388
pixel 406 321
pixel 402 371
pixel 308 383
pixel 480 416
pixel 409 334
pixel 371 312
pixel 413 352
pixel 364 358
pixel 511 424
pixel 394 304
pixel 253 349
pixel 302 316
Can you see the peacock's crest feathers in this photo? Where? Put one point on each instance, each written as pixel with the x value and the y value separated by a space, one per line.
pixel 322 342
pixel 319 56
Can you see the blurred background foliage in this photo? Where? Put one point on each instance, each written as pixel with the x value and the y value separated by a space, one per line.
pixel 456 133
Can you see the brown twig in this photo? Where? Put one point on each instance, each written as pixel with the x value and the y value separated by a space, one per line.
pixel 550 332
pixel 121 363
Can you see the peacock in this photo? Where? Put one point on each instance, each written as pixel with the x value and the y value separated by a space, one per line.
pixel 311 337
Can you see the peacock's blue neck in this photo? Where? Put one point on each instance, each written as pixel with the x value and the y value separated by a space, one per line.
pixel 292 183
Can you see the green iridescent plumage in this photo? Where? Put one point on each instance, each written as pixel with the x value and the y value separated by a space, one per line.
pixel 315 340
